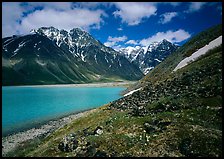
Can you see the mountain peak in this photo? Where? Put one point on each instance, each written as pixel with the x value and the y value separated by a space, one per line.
pixel 164 40
pixel 51 28
pixel 146 58
pixel 77 30
pixel 47 31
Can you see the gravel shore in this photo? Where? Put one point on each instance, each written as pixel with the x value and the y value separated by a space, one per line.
pixel 12 141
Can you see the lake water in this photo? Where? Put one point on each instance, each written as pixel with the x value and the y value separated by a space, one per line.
pixel 27 106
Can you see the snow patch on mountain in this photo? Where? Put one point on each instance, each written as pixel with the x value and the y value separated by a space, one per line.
pixel 201 51
pixel 146 70
pixel 40 63
pixel 83 58
pixel 106 59
pixel 18 48
pixel 95 58
pixel 158 60
pixel 131 92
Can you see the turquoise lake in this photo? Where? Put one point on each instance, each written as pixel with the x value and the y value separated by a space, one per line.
pixel 27 106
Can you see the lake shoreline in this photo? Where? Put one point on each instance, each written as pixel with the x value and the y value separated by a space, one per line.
pixel 38 124
pixel 44 128
pixel 11 142
pixel 105 84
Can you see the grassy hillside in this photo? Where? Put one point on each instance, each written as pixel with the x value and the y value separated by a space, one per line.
pixel 165 68
pixel 178 114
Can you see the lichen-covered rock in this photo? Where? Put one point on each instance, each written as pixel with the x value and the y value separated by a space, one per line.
pixel 98 131
pixel 69 143
pixel 149 128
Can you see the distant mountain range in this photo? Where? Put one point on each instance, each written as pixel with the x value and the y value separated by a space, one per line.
pixel 147 59
pixel 52 56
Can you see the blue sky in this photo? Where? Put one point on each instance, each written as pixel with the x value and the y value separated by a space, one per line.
pixel 116 24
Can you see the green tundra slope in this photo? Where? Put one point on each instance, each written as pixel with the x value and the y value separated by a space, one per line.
pixel 178 114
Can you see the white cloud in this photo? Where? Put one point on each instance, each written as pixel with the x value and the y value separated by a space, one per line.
pixel 11 12
pixel 195 6
pixel 20 18
pixel 133 13
pixel 117 39
pixel 175 4
pixel 112 41
pixel 167 17
pixel 172 36
pixel 131 42
pixel 117 47
pixel 91 5
pixel 119 29
pixel 62 19
pixel 49 5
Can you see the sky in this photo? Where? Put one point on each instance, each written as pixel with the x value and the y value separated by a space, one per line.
pixel 115 24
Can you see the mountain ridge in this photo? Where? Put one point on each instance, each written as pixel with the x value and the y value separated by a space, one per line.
pixel 85 59
pixel 147 58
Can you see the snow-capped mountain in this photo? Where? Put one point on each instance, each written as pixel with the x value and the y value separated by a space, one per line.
pixel 132 52
pixel 146 58
pixel 75 41
pixel 49 55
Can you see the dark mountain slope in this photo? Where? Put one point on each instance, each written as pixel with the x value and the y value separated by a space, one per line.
pixel 39 59
pixel 43 64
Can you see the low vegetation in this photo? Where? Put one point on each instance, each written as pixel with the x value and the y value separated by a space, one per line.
pixel 175 115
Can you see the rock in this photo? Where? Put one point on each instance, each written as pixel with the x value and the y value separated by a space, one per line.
pixel 114 154
pixel 69 143
pixel 149 128
pixel 73 135
pixel 155 122
pixel 61 146
pixel 67 148
pixel 74 144
pixel 185 147
pixel 100 154
pixel 91 151
pixel 87 133
pixel 98 131
pixel 163 125
pixel 139 111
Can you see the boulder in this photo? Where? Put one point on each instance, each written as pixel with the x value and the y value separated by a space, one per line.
pixel 69 143
pixel 98 131
pixel 149 128
pixel 100 154
pixel 185 147
pixel 162 125
pixel 61 146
